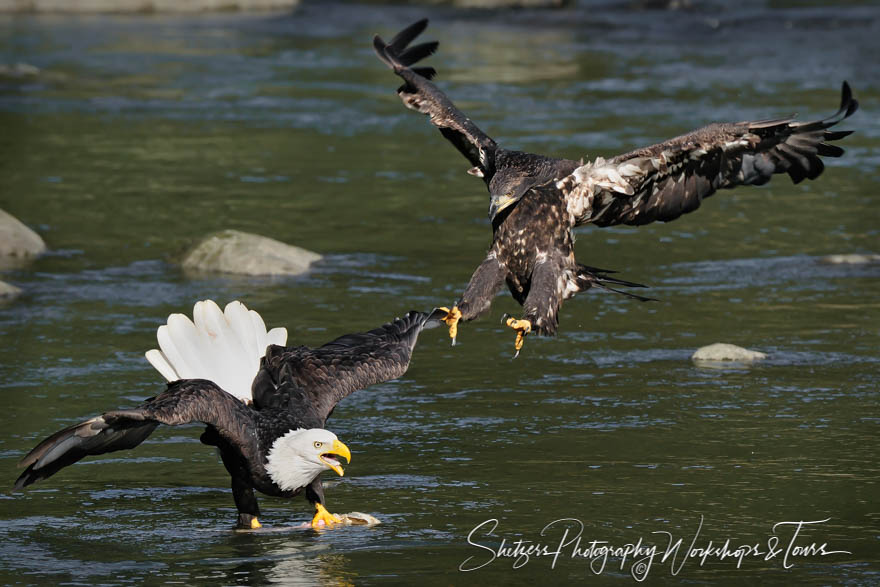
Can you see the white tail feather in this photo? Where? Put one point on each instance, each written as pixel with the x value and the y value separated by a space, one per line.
pixel 223 347
pixel 277 336
pixel 158 360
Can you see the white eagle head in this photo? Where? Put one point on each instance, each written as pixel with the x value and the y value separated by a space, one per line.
pixel 299 456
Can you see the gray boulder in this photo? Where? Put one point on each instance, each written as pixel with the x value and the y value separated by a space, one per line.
pixel 502 3
pixel 18 243
pixel 721 351
pixel 8 292
pixel 852 259
pixel 19 70
pixel 233 251
pixel 141 6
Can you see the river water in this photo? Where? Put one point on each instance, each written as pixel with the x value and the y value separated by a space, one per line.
pixel 141 134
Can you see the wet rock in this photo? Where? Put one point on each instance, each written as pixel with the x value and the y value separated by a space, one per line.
pixel 721 351
pixel 142 5
pixel 232 251
pixel 8 292
pixel 18 70
pixel 18 243
pixel 661 5
pixel 502 3
pixel 481 4
pixel 852 259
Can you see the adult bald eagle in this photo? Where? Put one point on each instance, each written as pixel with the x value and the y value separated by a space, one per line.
pixel 535 201
pixel 264 404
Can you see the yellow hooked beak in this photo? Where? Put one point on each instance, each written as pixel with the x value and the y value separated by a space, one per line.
pixel 339 450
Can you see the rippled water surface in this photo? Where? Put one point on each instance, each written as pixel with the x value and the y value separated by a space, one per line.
pixel 139 135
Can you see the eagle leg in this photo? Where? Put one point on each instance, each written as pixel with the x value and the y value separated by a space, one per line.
pixel 246 502
pixel 323 518
pixel 451 320
pixel 315 495
pixel 541 305
pixel 477 297
pixel 522 327
pixel 248 522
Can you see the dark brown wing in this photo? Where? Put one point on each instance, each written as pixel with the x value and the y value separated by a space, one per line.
pixel 669 179
pixel 419 93
pixel 185 401
pixel 312 381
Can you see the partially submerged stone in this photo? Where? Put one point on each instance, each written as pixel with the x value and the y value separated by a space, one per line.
pixel 233 251
pixel 19 70
pixel 142 6
pixel 18 243
pixel 852 259
pixel 8 292
pixel 721 351
pixel 495 4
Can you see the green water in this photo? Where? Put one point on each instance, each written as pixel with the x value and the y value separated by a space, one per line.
pixel 142 134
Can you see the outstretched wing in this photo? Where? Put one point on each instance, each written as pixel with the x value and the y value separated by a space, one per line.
pixel 185 401
pixel 419 93
pixel 310 382
pixel 664 181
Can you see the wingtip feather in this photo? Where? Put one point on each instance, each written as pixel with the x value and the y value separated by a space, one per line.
pixel 406 36
pixel 379 46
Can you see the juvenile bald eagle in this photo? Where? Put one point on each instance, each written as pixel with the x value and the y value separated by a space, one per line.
pixel 535 201
pixel 264 404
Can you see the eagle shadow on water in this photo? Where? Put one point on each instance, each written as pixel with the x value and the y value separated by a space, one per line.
pixel 535 201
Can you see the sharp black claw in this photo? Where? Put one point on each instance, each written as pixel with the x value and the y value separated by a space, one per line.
pixel 504 317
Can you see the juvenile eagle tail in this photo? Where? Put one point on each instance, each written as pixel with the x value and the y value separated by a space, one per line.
pixel 221 346
pixel 95 436
pixel 398 56
pixel 588 277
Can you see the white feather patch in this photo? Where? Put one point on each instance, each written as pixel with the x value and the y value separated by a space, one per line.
pixel 223 347
pixel 161 364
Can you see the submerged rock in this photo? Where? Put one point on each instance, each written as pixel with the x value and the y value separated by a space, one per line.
pixel 142 5
pixel 233 251
pixel 502 3
pixel 721 351
pixel 8 292
pixel 19 70
pixel 852 259
pixel 18 243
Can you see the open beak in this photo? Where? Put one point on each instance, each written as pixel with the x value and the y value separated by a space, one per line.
pixel 499 203
pixel 338 450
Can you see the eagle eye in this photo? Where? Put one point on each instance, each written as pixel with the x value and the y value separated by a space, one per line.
pixel 318 444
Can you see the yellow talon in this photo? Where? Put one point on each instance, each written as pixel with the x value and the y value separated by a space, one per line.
pixel 522 327
pixel 255 523
pixel 323 518
pixel 451 319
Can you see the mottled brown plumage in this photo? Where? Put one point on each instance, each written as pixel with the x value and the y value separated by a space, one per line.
pixel 536 200
pixel 295 388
